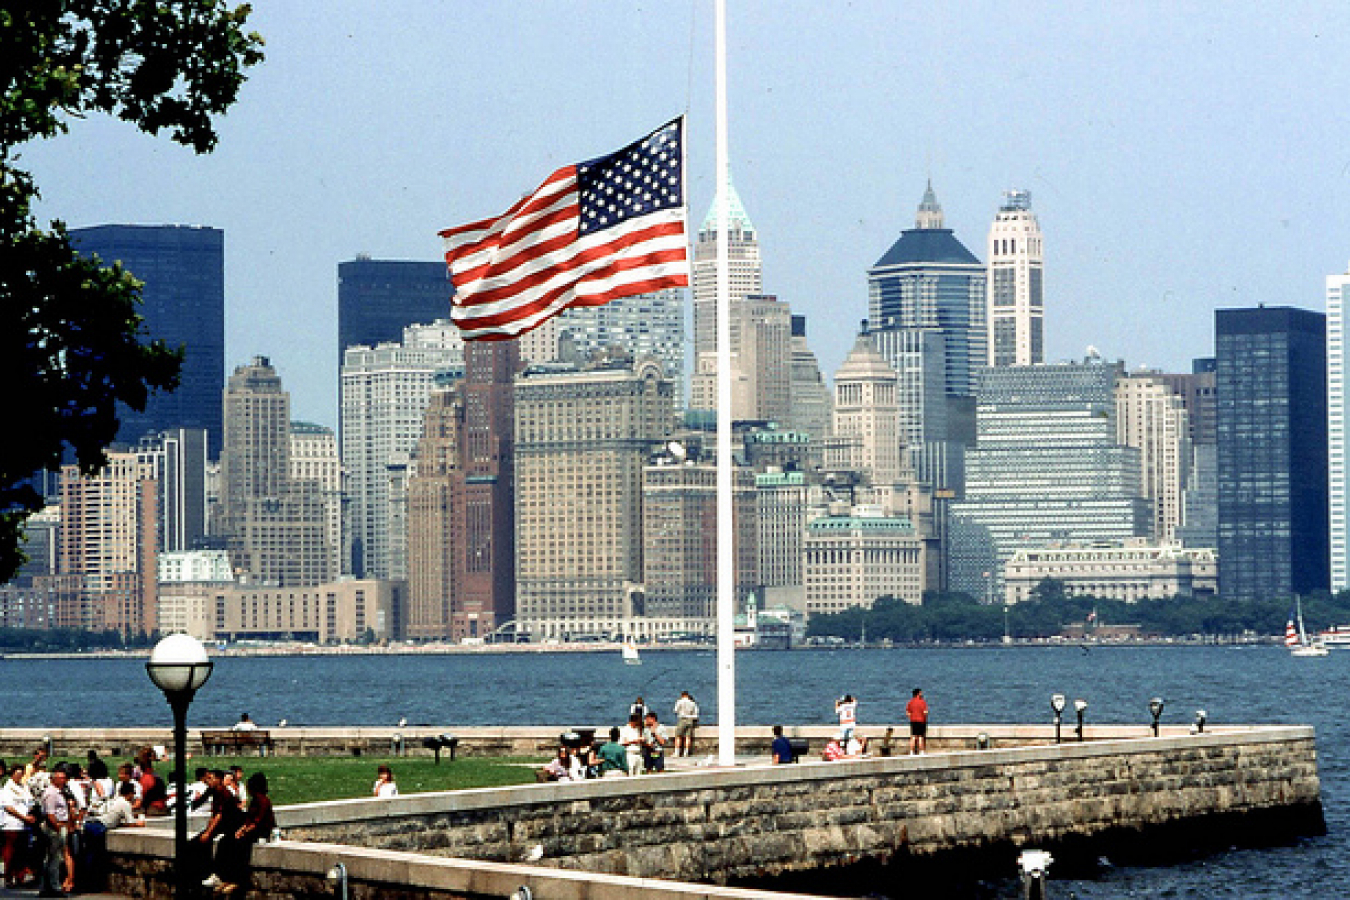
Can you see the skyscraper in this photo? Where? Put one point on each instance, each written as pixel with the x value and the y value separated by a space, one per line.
pixel 1016 290
pixel 278 527
pixel 384 393
pixel 1271 384
pixel 1151 417
pixel 1338 421
pixel 866 417
pixel 649 325
pixel 582 440
pixel 1047 466
pixel 811 411
pixel 378 298
pixel 183 268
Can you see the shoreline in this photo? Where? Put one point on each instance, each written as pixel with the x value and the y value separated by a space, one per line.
pixel 595 647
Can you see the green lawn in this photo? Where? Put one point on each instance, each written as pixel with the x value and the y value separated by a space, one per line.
pixel 302 779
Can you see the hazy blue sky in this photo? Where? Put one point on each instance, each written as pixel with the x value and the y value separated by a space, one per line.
pixel 1181 157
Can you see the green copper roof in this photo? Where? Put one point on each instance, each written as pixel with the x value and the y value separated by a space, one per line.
pixel 737 217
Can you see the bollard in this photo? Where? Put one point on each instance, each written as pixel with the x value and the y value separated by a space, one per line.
pixel 1035 870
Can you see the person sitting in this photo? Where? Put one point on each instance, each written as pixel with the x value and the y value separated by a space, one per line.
pixel 835 751
pixel 613 756
pixel 236 846
pixel 781 748
pixel 244 724
pixel 384 782
pixel 558 768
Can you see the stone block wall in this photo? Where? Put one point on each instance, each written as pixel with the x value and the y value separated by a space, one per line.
pixel 719 825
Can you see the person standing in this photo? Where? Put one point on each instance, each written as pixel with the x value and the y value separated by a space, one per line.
pixel 630 736
pixel 686 717
pixel 846 708
pixel 56 834
pixel 16 817
pixel 654 742
pixel 917 710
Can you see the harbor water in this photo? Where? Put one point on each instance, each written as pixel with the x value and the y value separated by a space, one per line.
pixel 965 685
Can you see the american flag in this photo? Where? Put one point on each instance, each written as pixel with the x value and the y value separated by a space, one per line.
pixel 591 233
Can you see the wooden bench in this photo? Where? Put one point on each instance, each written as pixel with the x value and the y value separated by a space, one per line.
pixel 218 743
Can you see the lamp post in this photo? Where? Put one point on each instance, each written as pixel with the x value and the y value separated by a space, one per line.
pixel 178 666
pixel 1155 708
pixel 1057 702
pixel 1080 706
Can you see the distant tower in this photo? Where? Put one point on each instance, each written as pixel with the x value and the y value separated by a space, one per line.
pixel 866 417
pixel 746 281
pixel 1338 427
pixel 1271 387
pixel 183 267
pixel 1016 293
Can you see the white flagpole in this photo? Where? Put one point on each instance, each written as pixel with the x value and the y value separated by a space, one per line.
pixel 726 561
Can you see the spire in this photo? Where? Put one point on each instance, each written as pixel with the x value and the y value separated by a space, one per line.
pixel 930 212
pixel 737 218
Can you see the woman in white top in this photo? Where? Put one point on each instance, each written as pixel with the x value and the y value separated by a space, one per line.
pixel 16 804
pixel 384 782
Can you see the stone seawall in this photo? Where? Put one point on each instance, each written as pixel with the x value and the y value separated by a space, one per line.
pixel 725 825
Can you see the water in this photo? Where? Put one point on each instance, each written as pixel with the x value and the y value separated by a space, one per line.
pixel 1001 685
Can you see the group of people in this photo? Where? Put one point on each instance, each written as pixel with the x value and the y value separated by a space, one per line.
pixel 639 746
pixel 54 821
pixel 848 744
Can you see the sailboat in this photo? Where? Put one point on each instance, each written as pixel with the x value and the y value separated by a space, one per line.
pixel 630 653
pixel 1296 639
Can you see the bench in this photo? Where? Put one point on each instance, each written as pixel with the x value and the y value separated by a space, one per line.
pixel 217 743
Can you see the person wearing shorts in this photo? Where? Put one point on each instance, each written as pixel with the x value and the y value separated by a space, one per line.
pixel 686 720
pixel 917 709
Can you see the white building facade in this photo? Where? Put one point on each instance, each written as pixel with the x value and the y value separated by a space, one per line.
pixel 1132 571
pixel 856 559
pixel 1338 415
pixel 1016 309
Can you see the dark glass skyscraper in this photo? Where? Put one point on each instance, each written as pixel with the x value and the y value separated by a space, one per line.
pixel 183 267
pixel 378 298
pixel 1272 452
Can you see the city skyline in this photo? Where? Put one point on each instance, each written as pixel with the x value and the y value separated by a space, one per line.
pixel 1170 165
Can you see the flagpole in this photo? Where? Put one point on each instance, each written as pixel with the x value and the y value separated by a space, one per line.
pixel 726 562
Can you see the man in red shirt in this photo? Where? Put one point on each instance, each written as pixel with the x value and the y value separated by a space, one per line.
pixel 917 708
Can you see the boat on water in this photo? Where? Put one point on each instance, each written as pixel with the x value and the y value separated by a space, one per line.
pixel 1296 638
pixel 630 653
pixel 1337 637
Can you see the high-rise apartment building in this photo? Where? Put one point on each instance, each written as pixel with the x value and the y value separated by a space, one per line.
pixel 1151 417
pixel 1338 429
pixel 650 325
pixel 378 298
pixel 1015 286
pixel 1047 467
pixel 384 393
pixel 582 440
pixel 314 459
pixel 108 545
pixel 277 527
pixel 183 268
pixel 1271 388
pixel 180 460
pixel 461 496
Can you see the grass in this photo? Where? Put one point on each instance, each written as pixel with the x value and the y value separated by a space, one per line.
pixel 305 779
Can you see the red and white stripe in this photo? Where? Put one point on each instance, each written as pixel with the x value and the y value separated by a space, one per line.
pixel 513 272
pixel 1290 634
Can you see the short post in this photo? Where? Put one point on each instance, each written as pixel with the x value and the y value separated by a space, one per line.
pixel 1155 707
pixel 1057 703
pixel 1080 706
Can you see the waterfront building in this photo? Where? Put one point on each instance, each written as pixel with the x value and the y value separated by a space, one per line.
pixel 679 524
pixel 378 298
pixel 1016 307
pixel 1047 466
pixel 384 393
pixel 188 582
pixel 1338 430
pixel 1131 571
pixel 461 502
pixel 183 303
pixel 1271 378
pixel 855 559
pixel 108 547
pixel 348 611
pixel 278 528
pixel 1151 417
pixel 583 437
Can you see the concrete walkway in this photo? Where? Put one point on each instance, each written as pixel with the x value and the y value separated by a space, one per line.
pixel 32 892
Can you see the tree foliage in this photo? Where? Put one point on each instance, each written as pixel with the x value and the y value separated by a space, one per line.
pixel 959 617
pixel 72 342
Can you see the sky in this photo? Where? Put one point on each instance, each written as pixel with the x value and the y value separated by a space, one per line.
pixel 1181 157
